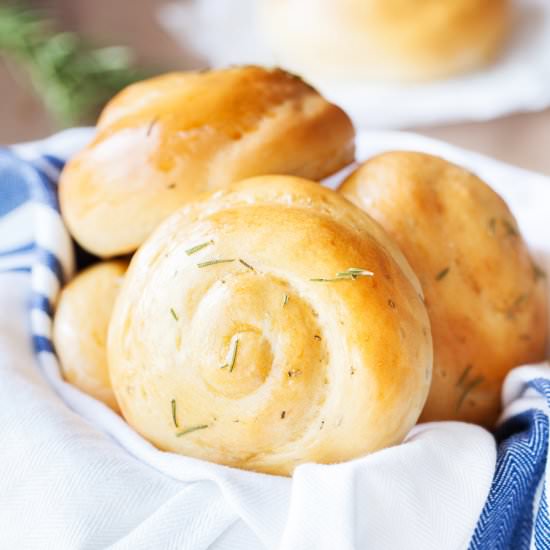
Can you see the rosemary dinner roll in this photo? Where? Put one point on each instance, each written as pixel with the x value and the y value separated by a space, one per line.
pixel 399 40
pixel 163 141
pixel 270 324
pixel 80 328
pixel 485 296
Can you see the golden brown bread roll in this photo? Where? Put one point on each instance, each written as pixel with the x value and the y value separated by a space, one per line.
pixel 80 328
pixel 250 332
pixel 385 39
pixel 161 142
pixel 485 296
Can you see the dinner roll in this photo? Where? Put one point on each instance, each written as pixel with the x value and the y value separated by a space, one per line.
pixel 399 40
pixel 161 142
pixel 485 296
pixel 271 324
pixel 80 328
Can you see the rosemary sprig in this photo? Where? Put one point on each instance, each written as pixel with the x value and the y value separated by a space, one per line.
pixel 214 262
pixel 198 247
pixel 174 413
pixel 247 265
pixel 351 274
pixel 442 274
pixel 174 314
pixel 73 80
pixel 233 357
pixel 192 429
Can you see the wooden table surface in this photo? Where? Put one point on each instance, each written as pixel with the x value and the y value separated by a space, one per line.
pixel 522 139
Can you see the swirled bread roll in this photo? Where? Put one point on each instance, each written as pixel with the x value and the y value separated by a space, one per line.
pixel 80 328
pixel 163 141
pixel 400 40
pixel 268 325
pixel 485 296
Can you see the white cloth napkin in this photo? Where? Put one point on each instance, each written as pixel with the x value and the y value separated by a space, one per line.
pixel 225 32
pixel 75 475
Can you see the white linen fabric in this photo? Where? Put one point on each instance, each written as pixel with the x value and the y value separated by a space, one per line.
pixel 75 475
pixel 224 32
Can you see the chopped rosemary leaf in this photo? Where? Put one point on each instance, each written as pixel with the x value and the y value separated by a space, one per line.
pixel 174 314
pixel 152 124
pixel 246 265
pixel 516 305
pixel 467 389
pixel 192 429
pixel 510 229
pixel 351 274
pixel 233 357
pixel 538 273
pixel 174 413
pixel 464 375
pixel 214 262
pixel 198 247
pixel 317 337
pixel 294 372
pixel 285 300
pixel 283 414
pixel 442 274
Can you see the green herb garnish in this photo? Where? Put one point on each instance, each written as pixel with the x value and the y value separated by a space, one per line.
pixel 538 273
pixel 285 300
pixel 351 274
pixel 198 247
pixel 214 262
pixel 174 314
pixel 233 357
pixel 467 389
pixel 294 372
pixel 192 429
pixel 464 375
pixel 174 413
pixel 442 274
pixel 510 229
pixel 152 124
pixel 246 265
pixel 283 414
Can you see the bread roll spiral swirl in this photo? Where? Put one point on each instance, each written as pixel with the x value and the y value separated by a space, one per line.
pixel 225 345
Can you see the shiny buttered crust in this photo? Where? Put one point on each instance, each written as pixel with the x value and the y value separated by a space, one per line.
pixel 163 141
pixel 385 39
pixel 225 346
pixel 80 328
pixel 486 297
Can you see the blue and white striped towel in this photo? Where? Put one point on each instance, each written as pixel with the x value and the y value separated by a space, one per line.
pixel 74 475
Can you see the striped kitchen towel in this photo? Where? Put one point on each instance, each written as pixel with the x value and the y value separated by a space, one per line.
pixel 74 475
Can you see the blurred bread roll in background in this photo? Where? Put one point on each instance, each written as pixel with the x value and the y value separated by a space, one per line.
pixel 163 141
pixel 486 297
pixel 401 40
pixel 80 328
pixel 267 325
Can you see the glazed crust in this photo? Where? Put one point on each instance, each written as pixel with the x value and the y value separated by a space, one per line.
pixel 485 296
pixel 267 367
pixel 399 40
pixel 162 141
pixel 80 328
